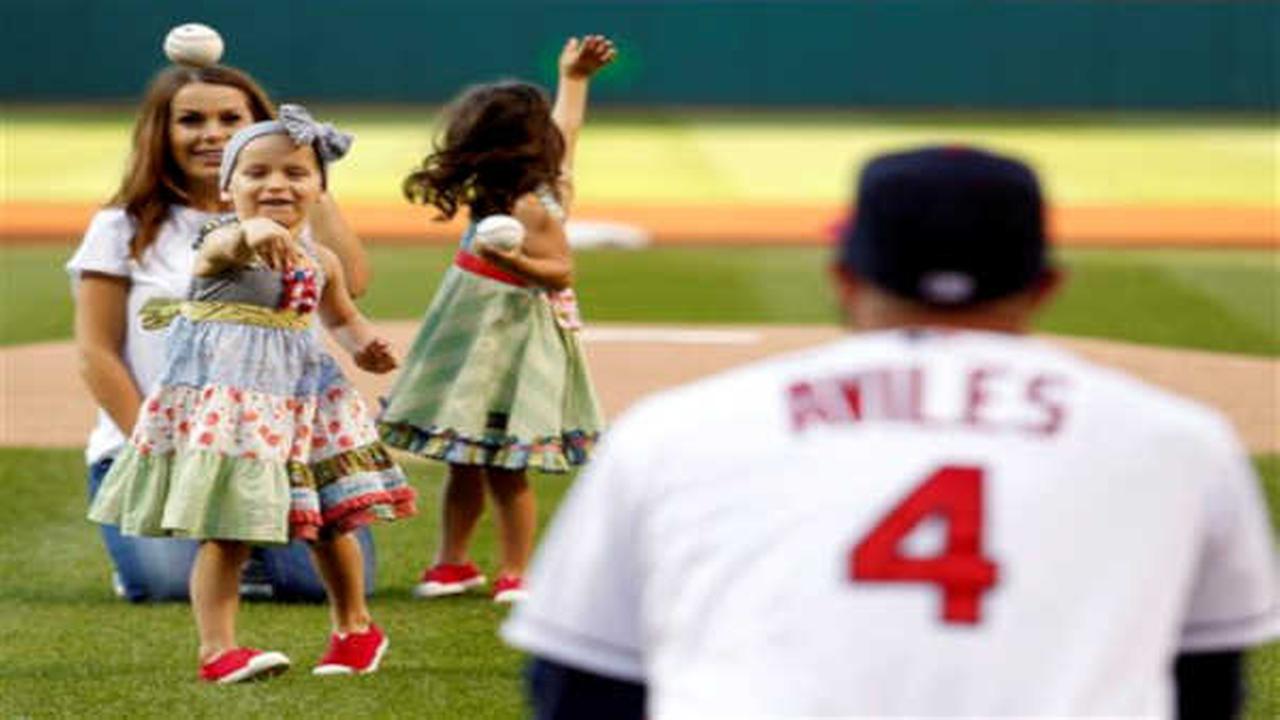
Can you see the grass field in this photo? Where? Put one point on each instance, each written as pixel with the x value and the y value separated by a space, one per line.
pixel 77 154
pixel 70 649
pixel 1212 300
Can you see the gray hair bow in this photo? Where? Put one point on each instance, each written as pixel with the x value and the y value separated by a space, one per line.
pixel 329 142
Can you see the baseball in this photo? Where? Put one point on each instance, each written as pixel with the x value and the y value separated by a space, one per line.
pixel 193 44
pixel 501 232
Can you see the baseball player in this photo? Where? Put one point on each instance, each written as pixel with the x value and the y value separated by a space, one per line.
pixel 937 516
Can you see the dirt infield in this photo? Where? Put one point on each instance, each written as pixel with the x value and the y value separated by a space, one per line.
pixel 798 223
pixel 45 404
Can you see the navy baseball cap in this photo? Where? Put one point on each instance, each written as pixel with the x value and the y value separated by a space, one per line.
pixel 947 226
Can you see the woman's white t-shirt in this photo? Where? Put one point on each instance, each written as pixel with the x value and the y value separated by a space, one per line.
pixel 163 271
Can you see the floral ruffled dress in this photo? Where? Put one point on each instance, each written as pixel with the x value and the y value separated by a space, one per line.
pixel 253 433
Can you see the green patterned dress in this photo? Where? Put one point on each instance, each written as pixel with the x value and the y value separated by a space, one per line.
pixel 496 375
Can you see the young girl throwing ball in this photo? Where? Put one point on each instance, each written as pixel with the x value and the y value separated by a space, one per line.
pixel 253 435
pixel 496 382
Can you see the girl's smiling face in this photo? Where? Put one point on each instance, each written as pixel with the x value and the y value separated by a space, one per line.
pixel 275 179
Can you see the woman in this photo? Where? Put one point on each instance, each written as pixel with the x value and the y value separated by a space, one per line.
pixel 140 247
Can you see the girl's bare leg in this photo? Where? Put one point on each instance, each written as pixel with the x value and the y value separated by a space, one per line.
pixel 215 594
pixel 460 512
pixel 341 566
pixel 516 517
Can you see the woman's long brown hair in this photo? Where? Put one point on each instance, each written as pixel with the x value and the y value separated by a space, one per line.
pixel 153 182
pixel 499 143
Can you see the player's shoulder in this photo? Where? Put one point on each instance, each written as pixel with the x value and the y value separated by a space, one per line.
pixel 1136 405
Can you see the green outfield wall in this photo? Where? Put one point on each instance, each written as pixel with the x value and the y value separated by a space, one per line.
pixel 1089 54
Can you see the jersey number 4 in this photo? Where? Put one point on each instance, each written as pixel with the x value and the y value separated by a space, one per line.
pixel 961 571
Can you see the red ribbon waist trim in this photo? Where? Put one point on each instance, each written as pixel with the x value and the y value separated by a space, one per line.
pixel 475 264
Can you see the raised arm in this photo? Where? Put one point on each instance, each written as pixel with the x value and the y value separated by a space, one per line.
pixel 330 227
pixel 579 61
pixel 101 323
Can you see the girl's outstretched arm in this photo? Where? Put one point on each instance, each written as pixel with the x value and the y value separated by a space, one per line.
pixel 579 61
pixel 237 244
pixel 345 322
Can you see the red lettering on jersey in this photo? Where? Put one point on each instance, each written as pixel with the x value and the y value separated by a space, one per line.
pixel 876 387
pixel 805 406
pixel 976 395
pixel 851 393
pixel 1054 412
pixel 884 394
pixel 898 394
pixel 906 388
pixel 993 399
pixel 915 393
pixel 962 571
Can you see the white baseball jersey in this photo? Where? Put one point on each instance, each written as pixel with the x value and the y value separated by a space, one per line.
pixel 907 523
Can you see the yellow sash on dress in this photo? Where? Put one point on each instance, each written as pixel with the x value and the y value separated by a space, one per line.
pixel 157 313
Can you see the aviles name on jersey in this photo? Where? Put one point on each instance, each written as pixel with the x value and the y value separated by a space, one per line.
pixel 985 397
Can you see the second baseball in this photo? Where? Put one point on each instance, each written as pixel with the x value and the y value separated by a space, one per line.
pixel 193 44
pixel 501 232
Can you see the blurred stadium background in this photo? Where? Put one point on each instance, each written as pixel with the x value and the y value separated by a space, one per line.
pixel 730 133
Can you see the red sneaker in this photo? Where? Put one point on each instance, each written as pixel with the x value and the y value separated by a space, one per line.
pixel 241 664
pixel 353 653
pixel 509 589
pixel 444 579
